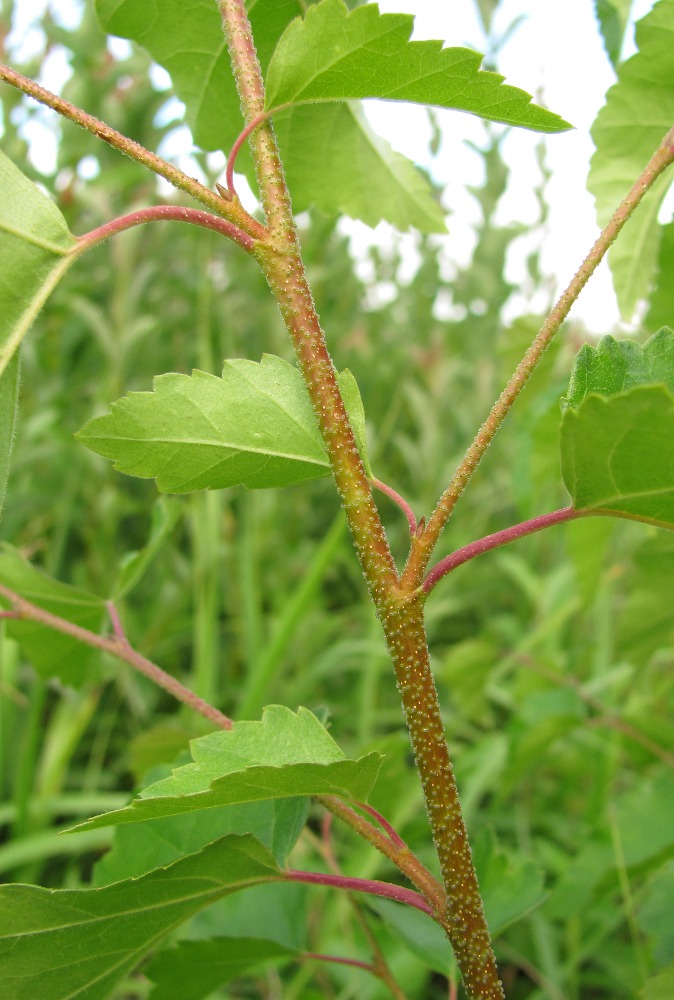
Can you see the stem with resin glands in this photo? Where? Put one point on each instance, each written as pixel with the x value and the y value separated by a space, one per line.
pixel 400 611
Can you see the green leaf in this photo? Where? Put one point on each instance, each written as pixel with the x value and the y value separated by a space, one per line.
pixel 617 455
pixel 660 987
pixel 284 755
pixel 613 16
pixel 254 426
pixel 81 942
pixel 661 311
pixel 616 429
pixel 195 969
pixel 51 652
pixel 141 847
pixel 638 112
pixel 362 176
pixel 615 366
pixel 334 55
pixel 35 252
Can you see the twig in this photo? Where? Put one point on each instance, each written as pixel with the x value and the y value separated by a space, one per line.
pixel 166 213
pixel 367 885
pixel 120 648
pixel 400 501
pixel 497 539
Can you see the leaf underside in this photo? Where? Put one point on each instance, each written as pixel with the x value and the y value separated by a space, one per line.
pixel 255 426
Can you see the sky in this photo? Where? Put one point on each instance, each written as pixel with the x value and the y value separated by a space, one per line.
pixel 554 52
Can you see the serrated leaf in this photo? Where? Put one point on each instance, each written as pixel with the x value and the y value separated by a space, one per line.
pixel 615 366
pixel 254 426
pixel 334 55
pixel 363 176
pixel 35 252
pixel 617 454
pixel 638 112
pixel 53 653
pixel 82 942
pixel 195 969
pixel 283 756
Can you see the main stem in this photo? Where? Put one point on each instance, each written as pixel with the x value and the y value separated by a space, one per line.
pixel 400 610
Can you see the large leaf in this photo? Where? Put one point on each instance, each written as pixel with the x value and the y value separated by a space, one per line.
pixel 618 428
pixel 284 755
pixel 639 111
pixel 35 251
pixel 81 942
pixel 334 55
pixel 254 426
pixel 53 653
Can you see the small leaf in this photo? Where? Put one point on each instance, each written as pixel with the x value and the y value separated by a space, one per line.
pixel 52 653
pixel 638 112
pixel 614 366
pixel 334 55
pixel 254 426
pixel 284 755
pixel 35 252
pixel 195 969
pixel 82 942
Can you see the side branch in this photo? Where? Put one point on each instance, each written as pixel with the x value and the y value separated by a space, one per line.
pixel 165 213
pixel 116 646
pixel 423 546
pixel 497 539
pixel 231 210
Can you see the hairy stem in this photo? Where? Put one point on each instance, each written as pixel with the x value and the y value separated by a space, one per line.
pixel 116 646
pixel 424 544
pixel 400 610
pixel 229 209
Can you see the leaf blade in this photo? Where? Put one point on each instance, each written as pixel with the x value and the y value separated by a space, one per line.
pixel 285 755
pixel 254 426
pixel 334 55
